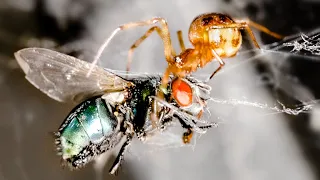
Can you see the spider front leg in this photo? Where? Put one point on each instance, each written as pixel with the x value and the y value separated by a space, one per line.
pixel 168 49
pixel 139 41
pixel 145 36
pixel 163 88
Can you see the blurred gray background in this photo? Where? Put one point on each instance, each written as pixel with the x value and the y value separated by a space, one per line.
pixel 251 142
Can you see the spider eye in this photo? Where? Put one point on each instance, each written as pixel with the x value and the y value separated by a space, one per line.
pixel 182 92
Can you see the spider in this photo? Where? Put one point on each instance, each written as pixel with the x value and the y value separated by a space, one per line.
pixel 213 36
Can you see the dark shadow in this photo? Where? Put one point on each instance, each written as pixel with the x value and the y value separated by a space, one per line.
pixel 48 26
pixel 39 24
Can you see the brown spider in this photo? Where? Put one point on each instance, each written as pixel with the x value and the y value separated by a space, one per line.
pixel 213 35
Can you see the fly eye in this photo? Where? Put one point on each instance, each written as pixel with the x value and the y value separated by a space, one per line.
pixel 182 92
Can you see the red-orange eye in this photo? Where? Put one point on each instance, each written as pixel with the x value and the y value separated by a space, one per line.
pixel 182 92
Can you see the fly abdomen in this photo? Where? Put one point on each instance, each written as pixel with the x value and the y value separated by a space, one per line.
pixel 89 126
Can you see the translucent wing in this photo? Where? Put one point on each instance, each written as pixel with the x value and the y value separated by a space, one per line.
pixel 63 77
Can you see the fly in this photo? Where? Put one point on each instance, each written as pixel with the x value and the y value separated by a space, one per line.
pixel 111 105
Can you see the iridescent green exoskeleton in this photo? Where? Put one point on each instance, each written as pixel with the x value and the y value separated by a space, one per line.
pixel 91 124
pixel 112 105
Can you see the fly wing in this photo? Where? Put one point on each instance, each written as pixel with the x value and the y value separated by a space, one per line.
pixel 64 78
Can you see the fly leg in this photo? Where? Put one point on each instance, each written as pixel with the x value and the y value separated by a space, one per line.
pixel 117 163
pixel 188 119
pixel 187 136
pixel 166 122
pixel 129 132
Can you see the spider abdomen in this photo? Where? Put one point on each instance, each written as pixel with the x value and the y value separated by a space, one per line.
pixel 225 42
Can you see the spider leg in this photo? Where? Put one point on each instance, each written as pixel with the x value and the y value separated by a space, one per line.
pixel 260 27
pixel 168 49
pixel 160 95
pixel 181 42
pixel 141 39
pixel 221 62
pixel 154 113
pixel 117 163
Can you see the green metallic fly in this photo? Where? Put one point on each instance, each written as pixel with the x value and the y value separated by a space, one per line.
pixel 112 105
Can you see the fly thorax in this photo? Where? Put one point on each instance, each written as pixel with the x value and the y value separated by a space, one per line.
pixel 140 102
